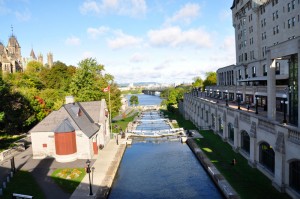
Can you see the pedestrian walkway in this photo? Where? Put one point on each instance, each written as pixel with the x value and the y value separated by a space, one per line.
pixel 103 171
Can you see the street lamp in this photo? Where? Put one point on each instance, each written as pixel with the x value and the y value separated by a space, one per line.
pixel 284 102
pixel 88 170
pixel 256 104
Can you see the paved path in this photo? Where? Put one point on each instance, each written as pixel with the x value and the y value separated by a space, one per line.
pixel 41 171
pixel 105 168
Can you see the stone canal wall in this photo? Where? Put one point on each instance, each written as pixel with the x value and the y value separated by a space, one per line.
pixel 216 176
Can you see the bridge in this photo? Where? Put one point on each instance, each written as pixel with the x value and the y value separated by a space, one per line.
pixel 153 91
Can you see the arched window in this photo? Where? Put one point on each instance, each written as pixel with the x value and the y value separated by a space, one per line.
pixel 230 132
pixel 245 141
pixel 213 121
pixel 294 173
pixel 267 156
pixel 220 125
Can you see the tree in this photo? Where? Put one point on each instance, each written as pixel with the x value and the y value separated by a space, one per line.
pixel 34 66
pixel 211 79
pixel 58 76
pixel 198 82
pixel 134 100
pixel 85 84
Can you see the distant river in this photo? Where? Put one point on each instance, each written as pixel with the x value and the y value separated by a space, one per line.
pixel 161 168
pixel 146 99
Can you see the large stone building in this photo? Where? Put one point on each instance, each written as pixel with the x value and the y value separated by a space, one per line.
pixel 11 60
pixel 10 56
pixel 265 77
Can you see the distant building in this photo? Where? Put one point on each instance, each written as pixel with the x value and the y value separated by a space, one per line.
pixel 10 56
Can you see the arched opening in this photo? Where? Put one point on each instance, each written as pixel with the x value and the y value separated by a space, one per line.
pixel 220 126
pixel 230 133
pixel 294 173
pixel 213 121
pixel 245 142
pixel 267 156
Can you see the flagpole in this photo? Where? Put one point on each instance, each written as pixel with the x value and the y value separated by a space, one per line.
pixel 109 104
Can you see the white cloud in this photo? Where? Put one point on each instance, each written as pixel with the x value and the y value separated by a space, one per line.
pixel 89 6
pixel 138 57
pixel 95 32
pixel 122 40
pixel 175 37
pixel 72 41
pixel 186 14
pixel 132 8
pixel 23 16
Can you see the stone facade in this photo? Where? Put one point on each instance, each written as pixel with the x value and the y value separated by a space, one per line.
pixel 10 56
pixel 284 140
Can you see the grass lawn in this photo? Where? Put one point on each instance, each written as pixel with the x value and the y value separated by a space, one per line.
pixel 68 178
pixel 23 183
pixel 250 183
pixel 122 123
pixel 8 140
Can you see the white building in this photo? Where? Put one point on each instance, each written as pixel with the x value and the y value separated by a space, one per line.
pixel 76 131
pixel 267 35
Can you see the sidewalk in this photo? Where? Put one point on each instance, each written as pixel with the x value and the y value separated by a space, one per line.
pixel 105 169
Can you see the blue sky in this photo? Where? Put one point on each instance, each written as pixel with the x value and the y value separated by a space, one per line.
pixel 166 41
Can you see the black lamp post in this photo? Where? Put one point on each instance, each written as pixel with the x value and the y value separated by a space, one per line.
pixel 88 170
pixel 256 104
pixel 284 102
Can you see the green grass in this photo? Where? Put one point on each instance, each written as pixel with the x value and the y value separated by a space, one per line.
pixel 68 178
pixel 122 123
pixel 23 183
pixel 249 182
pixel 7 141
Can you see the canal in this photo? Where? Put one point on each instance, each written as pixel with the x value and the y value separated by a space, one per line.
pixel 161 168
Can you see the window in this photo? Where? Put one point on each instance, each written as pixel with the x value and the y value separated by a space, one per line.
pixel 245 56
pixel 253 71
pixel 245 141
pixel 231 132
pixel 277 29
pixel 267 156
pixel 293 4
pixel 289 7
pixel 276 14
pixel 265 70
pixel 294 173
pixel 277 68
pixel 293 21
pixel 289 23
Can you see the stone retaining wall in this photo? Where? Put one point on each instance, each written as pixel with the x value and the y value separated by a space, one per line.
pixel 214 173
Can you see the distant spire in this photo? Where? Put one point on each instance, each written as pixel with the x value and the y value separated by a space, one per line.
pixel 12 30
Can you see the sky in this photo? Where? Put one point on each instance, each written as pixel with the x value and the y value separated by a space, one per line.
pixel 164 41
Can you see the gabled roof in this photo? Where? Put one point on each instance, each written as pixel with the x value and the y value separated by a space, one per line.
pixel 72 116
pixel 65 126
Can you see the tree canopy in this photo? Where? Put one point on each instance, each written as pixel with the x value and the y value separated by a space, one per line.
pixel 211 79
pixel 28 97
pixel 134 100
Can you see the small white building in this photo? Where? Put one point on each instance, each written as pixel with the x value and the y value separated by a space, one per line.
pixel 76 131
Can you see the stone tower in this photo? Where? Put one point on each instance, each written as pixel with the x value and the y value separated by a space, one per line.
pixel 40 58
pixel 50 59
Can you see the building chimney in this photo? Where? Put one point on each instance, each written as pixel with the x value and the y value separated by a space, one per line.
pixel 69 99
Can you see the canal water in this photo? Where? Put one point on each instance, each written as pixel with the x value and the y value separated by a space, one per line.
pixel 161 168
